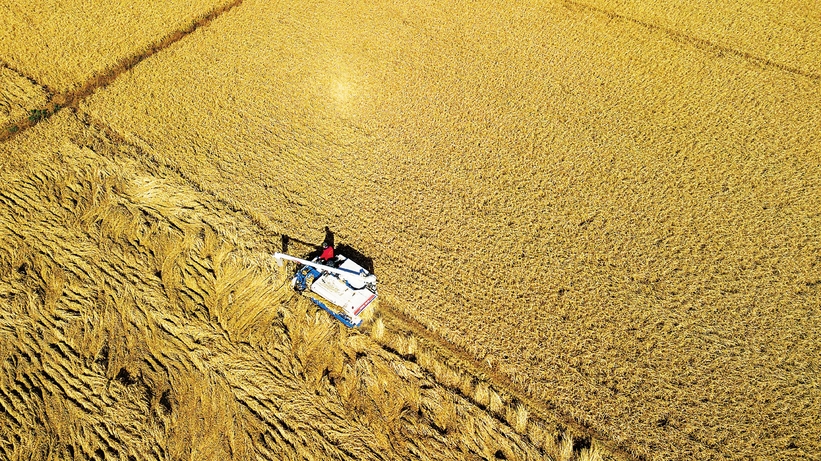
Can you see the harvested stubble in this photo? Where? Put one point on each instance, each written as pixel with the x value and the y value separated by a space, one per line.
pixel 63 45
pixel 625 222
pixel 142 319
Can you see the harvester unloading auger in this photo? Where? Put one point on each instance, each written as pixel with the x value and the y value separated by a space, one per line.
pixel 339 285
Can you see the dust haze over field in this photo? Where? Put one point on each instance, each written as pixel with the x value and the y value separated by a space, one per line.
pixel 614 215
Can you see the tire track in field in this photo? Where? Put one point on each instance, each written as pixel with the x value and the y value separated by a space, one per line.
pixel 29 78
pixel 18 93
pixel 58 100
pixel 699 43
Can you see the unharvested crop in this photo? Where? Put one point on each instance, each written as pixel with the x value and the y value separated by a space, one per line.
pixel 62 45
pixel 17 97
pixel 622 223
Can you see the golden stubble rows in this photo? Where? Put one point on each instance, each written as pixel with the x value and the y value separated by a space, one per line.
pixel 620 221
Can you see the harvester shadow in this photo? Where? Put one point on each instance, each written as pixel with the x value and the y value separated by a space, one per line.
pixel 356 256
pixel 329 236
pixel 346 250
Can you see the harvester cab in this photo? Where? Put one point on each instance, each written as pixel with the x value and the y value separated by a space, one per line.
pixel 340 286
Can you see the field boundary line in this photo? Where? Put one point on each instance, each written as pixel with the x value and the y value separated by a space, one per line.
pixel 57 100
pixel 700 43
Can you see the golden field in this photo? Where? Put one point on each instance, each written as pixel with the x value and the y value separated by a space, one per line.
pixel 786 33
pixel 643 209
pixel 63 45
pixel 607 221
pixel 142 319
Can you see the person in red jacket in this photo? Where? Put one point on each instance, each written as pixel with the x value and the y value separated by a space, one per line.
pixel 327 253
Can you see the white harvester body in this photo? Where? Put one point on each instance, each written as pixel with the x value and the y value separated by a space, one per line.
pixel 340 282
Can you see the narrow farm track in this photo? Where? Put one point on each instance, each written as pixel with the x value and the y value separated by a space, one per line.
pixel 700 43
pixel 57 99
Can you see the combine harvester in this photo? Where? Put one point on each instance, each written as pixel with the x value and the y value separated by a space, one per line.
pixel 340 286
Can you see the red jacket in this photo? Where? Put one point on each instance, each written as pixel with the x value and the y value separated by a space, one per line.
pixel 327 253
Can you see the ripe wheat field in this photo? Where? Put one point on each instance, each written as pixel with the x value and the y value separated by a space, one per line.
pixel 595 225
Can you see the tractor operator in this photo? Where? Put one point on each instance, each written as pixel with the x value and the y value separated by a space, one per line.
pixel 327 253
